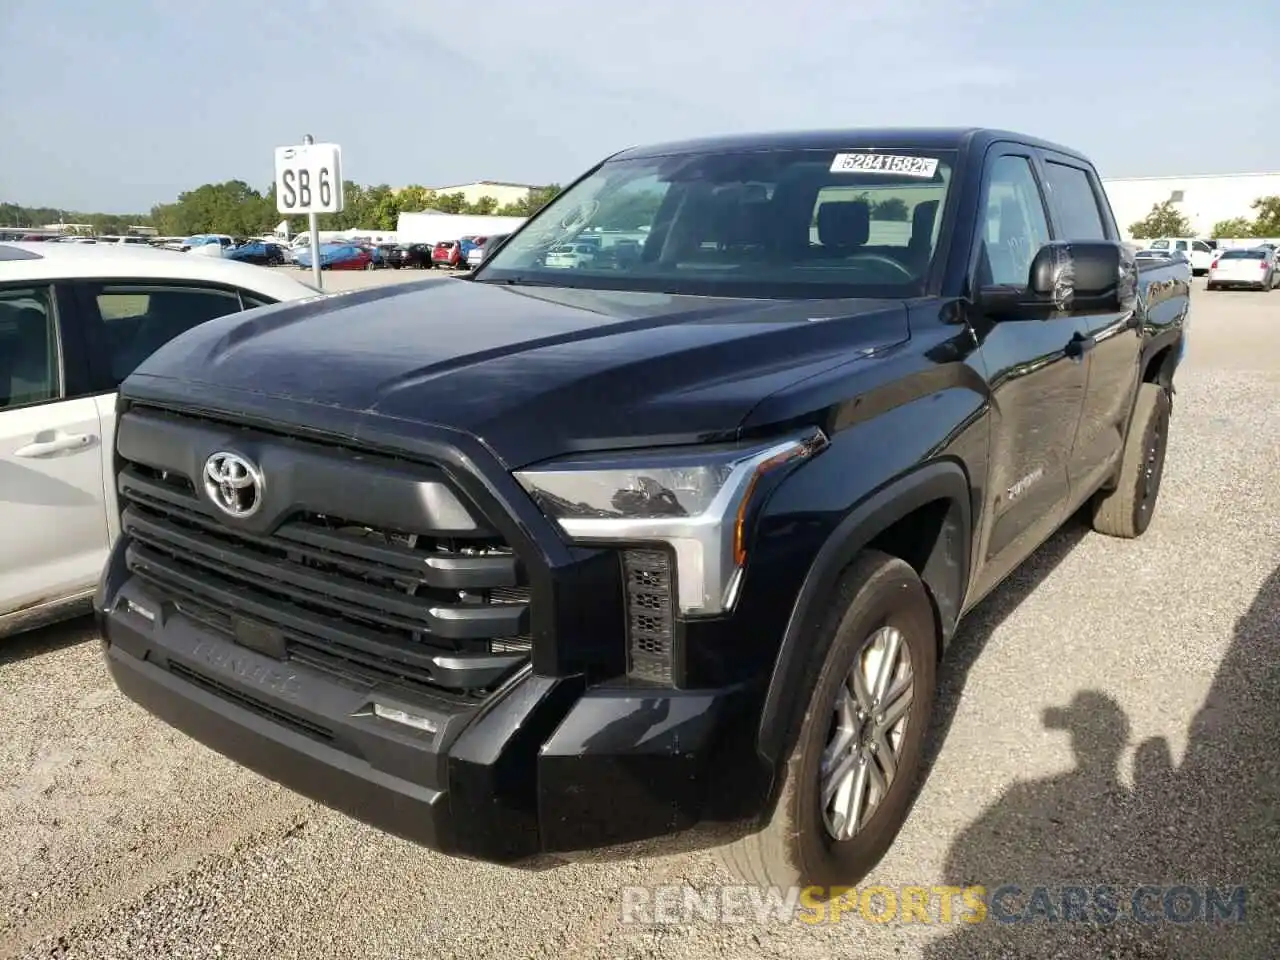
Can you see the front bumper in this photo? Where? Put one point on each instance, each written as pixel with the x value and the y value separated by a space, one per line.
pixel 543 766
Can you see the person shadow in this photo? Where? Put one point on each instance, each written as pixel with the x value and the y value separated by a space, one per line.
pixel 1212 821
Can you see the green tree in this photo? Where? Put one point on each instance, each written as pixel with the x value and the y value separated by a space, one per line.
pixel 449 203
pixel 1164 220
pixel 1267 222
pixel 1235 227
pixel 532 203
pixel 895 208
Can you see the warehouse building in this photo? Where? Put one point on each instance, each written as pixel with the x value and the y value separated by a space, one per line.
pixel 1203 200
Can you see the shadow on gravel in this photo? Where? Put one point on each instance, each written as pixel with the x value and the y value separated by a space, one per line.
pixel 983 620
pixel 1212 822
pixel 57 636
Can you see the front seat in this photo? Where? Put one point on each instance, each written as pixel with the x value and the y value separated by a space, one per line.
pixel 843 226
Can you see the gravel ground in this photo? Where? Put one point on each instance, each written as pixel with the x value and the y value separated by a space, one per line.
pixel 119 838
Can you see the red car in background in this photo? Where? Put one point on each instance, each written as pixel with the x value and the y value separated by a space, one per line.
pixel 447 253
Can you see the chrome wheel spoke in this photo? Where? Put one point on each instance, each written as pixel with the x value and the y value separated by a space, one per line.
pixel 860 761
pixel 897 701
pixel 861 691
pixel 855 802
pixel 844 738
pixel 841 773
pixel 888 665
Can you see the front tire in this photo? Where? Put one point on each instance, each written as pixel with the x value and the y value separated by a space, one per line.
pixel 851 775
pixel 1127 510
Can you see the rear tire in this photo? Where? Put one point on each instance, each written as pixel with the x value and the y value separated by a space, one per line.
pixel 1127 510
pixel 1211 286
pixel 878 598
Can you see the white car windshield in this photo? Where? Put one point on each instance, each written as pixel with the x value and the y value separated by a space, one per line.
pixel 760 223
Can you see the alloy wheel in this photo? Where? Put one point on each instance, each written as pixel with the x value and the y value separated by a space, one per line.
pixel 869 726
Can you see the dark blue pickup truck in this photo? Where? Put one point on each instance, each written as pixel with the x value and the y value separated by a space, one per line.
pixel 664 539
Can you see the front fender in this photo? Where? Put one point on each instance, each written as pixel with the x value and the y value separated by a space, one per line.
pixel 945 573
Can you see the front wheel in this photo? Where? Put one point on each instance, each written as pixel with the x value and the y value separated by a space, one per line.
pixel 1127 510
pixel 851 776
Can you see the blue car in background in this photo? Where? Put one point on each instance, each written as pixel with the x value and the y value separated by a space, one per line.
pixel 337 256
pixel 261 252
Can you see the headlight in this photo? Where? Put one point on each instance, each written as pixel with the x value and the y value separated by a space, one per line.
pixel 695 500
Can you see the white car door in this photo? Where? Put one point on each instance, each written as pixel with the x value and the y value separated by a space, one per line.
pixel 125 322
pixel 53 525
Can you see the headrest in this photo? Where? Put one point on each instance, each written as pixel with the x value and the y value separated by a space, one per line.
pixel 1011 219
pixel 922 222
pixel 844 224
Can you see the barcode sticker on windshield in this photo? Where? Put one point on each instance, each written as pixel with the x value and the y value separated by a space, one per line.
pixel 924 167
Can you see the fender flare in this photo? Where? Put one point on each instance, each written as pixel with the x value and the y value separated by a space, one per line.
pixel 946 576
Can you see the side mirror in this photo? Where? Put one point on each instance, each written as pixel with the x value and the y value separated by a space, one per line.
pixel 1095 276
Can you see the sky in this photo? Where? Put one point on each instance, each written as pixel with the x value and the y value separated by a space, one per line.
pixel 115 105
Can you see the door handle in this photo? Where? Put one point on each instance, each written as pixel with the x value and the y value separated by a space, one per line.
pixel 1079 345
pixel 59 444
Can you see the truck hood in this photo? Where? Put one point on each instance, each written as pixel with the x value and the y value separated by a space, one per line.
pixel 530 371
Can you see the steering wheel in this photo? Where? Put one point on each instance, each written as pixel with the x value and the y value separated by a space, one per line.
pixel 887 260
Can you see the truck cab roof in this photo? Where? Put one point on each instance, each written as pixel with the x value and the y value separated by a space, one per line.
pixel 927 138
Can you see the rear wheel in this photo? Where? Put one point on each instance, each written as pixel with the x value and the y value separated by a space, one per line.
pixel 1127 510
pixel 851 776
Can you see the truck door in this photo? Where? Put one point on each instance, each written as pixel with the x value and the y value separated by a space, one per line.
pixel 1037 382
pixel 1112 340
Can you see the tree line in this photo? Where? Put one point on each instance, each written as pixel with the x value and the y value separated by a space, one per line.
pixel 236 208
pixel 1166 220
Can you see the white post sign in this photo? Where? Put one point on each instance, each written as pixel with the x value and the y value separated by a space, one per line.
pixel 309 181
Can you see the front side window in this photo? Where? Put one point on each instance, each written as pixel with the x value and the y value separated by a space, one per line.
pixel 779 223
pixel 30 371
pixel 1015 226
pixel 138 319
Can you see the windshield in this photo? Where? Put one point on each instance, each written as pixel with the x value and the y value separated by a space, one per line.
pixel 763 223
pixel 1243 255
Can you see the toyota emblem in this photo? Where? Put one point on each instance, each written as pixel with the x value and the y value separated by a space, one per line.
pixel 233 483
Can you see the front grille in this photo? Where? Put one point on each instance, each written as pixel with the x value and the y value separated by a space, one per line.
pixel 371 603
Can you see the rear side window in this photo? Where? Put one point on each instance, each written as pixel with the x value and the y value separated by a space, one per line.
pixel 1074 202
pixel 136 320
pixel 30 371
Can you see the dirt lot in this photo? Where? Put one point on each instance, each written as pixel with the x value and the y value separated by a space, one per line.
pixel 120 838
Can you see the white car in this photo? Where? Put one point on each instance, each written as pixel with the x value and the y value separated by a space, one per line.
pixel 1198 252
pixel 75 320
pixel 569 256
pixel 1253 267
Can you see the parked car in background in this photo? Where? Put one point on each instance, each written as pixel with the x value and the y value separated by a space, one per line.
pixel 410 255
pixel 465 246
pixel 483 247
pixel 209 244
pixel 447 253
pixel 75 320
pixel 259 252
pixel 1254 267
pixel 336 256
pixel 1199 252
pixel 568 256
